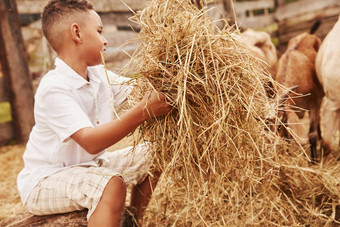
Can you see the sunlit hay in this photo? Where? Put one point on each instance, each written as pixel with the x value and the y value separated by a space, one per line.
pixel 221 164
pixel 11 164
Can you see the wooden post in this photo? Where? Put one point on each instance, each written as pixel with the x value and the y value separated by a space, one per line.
pixel 279 3
pixel 230 11
pixel 15 70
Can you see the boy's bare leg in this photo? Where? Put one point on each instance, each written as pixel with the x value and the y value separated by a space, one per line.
pixel 110 206
pixel 141 194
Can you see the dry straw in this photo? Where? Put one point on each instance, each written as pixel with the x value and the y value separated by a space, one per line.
pixel 221 163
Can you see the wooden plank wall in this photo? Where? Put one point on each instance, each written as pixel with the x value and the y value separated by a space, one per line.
pixel 101 6
pixel 298 17
pixel 246 17
pixel 118 12
pixel 113 12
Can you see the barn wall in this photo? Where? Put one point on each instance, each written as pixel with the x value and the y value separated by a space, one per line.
pixel 300 16
pixel 102 6
pixel 244 10
pixel 247 16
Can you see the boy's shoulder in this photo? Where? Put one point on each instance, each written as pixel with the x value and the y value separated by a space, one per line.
pixel 52 79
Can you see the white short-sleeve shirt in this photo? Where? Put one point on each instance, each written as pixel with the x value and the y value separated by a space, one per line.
pixel 64 103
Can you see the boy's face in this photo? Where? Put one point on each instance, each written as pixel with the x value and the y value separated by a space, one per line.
pixel 93 40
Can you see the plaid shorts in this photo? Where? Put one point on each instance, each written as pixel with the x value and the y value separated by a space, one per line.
pixel 80 187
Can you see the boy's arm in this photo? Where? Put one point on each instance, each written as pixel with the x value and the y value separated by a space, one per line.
pixel 94 140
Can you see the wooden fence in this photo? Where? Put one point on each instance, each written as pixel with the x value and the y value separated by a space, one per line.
pixel 249 13
pixel 113 11
pixel 255 14
pixel 297 17
pixel 101 6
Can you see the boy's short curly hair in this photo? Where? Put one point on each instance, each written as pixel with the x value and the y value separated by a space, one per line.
pixel 54 13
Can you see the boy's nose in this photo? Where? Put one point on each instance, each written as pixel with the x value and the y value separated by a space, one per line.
pixel 104 41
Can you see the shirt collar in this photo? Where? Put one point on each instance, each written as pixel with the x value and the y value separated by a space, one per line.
pixel 72 78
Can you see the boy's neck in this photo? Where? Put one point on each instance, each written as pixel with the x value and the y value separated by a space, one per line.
pixel 78 66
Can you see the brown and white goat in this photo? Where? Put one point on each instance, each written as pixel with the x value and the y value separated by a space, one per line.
pixel 328 72
pixel 296 67
pixel 261 45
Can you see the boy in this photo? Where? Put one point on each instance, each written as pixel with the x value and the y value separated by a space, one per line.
pixel 66 165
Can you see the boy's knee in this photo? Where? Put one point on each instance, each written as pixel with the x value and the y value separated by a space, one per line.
pixel 114 193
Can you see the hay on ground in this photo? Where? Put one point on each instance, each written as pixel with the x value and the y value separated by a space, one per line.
pixel 10 165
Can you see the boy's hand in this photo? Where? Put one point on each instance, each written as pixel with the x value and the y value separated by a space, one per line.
pixel 155 104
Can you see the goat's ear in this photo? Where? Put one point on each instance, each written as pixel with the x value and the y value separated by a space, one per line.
pixel 198 3
pixel 317 43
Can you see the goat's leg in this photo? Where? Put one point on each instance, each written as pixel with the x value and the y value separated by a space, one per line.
pixel 313 140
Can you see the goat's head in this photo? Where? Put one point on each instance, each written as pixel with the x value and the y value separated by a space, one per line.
pixel 277 122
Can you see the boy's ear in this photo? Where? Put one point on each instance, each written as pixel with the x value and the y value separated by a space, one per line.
pixel 75 33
